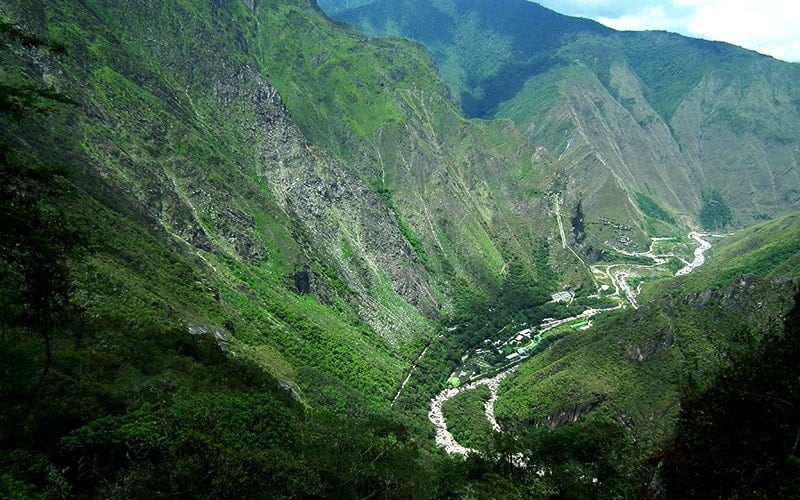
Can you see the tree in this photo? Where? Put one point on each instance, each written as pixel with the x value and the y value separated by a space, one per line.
pixel 715 213
pixel 740 436
pixel 35 238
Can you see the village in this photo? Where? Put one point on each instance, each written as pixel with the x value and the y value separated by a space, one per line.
pixel 500 354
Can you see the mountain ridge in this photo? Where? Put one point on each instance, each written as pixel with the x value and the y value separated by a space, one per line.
pixel 631 105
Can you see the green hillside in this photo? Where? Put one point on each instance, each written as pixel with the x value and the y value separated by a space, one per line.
pixel 331 231
pixel 312 213
pixel 153 143
pixel 767 250
pixel 634 369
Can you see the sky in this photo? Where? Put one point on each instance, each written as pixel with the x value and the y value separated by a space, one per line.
pixel 771 27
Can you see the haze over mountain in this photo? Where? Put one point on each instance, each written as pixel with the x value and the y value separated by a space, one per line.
pixel 246 247
pixel 766 27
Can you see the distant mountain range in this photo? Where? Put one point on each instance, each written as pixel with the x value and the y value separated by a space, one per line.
pixel 630 117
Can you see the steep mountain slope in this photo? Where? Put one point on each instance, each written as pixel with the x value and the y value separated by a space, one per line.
pixel 757 393
pixel 319 237
pixel 630 116
pixel 242 199
pixel 467 192
pixel 172 132
pixel 324 232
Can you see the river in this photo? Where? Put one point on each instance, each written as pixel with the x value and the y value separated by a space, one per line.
pixel 699 254
pixel 446 441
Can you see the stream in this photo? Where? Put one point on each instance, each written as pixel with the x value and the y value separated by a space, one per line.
pixel 699 254
pixel 446 440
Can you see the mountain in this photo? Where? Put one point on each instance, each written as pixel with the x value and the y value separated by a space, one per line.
pixel 244 246
pixel 370 207
pixel 636 119
pixel 312 206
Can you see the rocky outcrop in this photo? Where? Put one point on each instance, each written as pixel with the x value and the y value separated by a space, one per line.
pixel 753 296
pixel 341 216
pixel 572 412
pixel 163 204
pixel 643 350
pixel 236 227
pixel 220 336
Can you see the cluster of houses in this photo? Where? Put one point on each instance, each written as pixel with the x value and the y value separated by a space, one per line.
pixel 518 346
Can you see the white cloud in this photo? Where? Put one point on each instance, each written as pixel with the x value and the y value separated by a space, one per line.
pixel 593 8
pixel 651 18
pixel 767 26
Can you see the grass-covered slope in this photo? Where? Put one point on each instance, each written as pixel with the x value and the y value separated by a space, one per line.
pixel 224 244
pixel 465 193
pixel 244 292
pixel 115 381
pixel 181 148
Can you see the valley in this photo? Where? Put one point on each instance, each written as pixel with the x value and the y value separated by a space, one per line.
pixel 250 251
pixel 497 358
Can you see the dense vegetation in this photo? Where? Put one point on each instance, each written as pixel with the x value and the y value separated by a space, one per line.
pixel 715 214
pixel 155 410
pixel 686 358
pixel 466 418
pixel 652 209
pixel 741 433
pixel 105 390
pixel 119 399
pixel 486 54
pixel 179 318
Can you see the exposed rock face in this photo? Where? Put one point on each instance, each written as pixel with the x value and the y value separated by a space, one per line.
pixel 659 341
pixel 343 218
pixel 749 294
pixel 572 413
pixel 211 153
pixel 221 338
pixel 165 205
pixel 235 226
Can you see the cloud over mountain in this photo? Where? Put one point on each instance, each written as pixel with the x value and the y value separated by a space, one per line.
pixel 768 27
